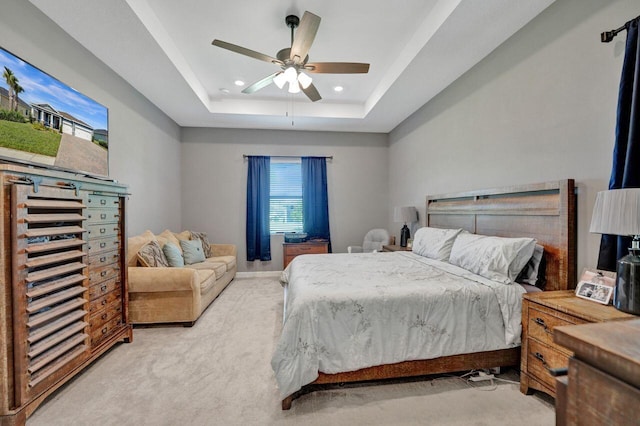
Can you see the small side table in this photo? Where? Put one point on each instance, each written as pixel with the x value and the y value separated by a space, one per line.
pixel 395 248
pixel 542 312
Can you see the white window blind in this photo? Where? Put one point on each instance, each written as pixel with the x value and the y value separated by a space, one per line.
pixel 285 195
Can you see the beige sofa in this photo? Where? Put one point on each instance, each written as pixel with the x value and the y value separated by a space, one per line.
pixel 176 294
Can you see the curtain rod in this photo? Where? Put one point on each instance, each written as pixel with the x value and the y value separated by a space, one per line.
pixel 328 157
pixel 607 36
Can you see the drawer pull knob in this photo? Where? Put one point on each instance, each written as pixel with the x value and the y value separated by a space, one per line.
pixel 103 245
pixel 103 288
pixel 540 358
pixel 103 273
pixel 541 323
pixel 104 330
pixel 104 302
pixel 103 259
pixel 103 201
pixel 104 316
pixel 103 216
pixel 103 230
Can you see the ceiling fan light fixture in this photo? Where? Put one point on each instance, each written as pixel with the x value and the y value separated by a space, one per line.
pixel 295 58
pixel 304 80
pixel 294 87
pixel 291 75
pixel 280 80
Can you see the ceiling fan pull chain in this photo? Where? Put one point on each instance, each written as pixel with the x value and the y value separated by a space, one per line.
pixel 292 110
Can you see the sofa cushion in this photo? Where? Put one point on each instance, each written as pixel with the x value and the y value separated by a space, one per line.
pixel 184 235
pixel 134 244
pixel 192 251
pixel 168 237
pixel 207 278
pixel 173 255
pixel 218 267
pixel 230 261
pixel 202 236
pixel 151 255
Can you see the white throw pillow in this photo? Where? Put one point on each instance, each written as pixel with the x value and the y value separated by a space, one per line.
pixel 499 259
pixel 434 243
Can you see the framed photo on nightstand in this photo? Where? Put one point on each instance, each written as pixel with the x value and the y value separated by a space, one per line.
pixel 596 285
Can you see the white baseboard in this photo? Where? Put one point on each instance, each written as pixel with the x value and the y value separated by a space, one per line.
pixel 259 274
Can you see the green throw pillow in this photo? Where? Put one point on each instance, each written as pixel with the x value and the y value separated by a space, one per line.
pixel 192 251
pixel 173 255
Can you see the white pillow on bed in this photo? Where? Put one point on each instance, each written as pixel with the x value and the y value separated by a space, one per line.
pixel 499 259
pixel 434 243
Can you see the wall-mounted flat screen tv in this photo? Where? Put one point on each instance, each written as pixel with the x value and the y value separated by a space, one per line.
pixel 44 122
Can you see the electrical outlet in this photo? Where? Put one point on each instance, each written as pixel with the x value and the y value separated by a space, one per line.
pixel 482 376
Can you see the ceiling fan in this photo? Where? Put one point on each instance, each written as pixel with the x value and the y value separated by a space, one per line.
pixel 293 60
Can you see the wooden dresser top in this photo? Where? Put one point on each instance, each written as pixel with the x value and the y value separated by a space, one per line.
pixel 567 302
pixel 613 347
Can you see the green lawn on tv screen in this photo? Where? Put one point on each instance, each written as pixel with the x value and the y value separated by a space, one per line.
pixel 23 137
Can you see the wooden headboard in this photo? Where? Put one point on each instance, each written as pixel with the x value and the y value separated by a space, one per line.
pixel 545 211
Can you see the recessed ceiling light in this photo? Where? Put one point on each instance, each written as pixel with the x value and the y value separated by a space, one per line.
pixel 239 83
pixel 224 90
pixel 338 89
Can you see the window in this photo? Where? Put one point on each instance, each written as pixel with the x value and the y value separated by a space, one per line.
pixel 285 195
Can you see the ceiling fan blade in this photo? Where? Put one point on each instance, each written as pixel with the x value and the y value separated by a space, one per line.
pixel 305 34
pixel 337 67
pixel 244 51
pixel 261 83
pixel 311 92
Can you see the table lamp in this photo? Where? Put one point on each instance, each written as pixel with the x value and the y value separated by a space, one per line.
pixel 617 212
pixel 406 215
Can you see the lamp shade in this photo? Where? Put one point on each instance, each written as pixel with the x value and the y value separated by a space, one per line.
pixel 617 212
pixel 280 80
pixel 405 214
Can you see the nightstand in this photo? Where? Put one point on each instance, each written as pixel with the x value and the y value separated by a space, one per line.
pixel 291 250
pixel 541 313
pixel 395 248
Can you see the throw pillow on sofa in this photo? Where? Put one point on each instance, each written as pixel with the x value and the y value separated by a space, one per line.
pixel 168 237
pixel 202 236
pixel 192 251
pixel 173 255
pixel 151 255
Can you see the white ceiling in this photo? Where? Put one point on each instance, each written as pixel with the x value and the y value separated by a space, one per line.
pixel 416 48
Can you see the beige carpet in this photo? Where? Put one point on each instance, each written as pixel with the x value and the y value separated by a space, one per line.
pixel 218 373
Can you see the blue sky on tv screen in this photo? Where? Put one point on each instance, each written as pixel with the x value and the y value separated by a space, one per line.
pixel 41 88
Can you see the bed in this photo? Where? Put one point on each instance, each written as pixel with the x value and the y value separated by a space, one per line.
pixel 421 302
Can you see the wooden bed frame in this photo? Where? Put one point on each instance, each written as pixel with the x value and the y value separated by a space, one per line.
pixel 546 212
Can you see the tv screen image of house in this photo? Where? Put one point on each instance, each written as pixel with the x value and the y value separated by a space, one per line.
pixel 45 122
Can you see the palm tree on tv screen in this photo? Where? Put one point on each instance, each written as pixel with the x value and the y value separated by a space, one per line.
pixel 11 80
pixel 17 89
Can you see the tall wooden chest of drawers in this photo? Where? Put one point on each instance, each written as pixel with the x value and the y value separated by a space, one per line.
pixel 541 313
pixel 64 282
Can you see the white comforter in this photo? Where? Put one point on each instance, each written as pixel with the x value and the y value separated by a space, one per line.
pixel 344 312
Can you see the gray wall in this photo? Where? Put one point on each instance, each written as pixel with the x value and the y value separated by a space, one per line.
pixel 541 107
pixel 144 144
pixel 214 176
